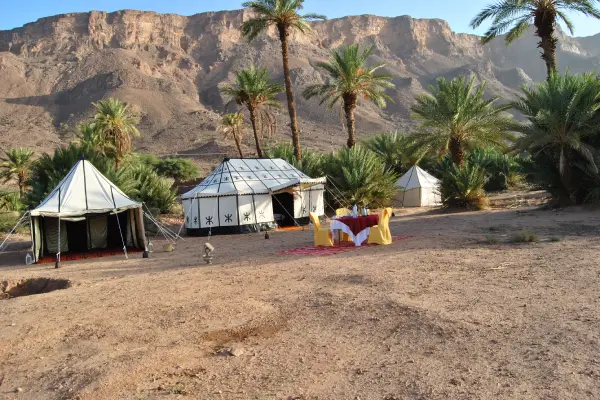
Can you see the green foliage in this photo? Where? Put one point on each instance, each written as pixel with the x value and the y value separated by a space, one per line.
pixel 349 78
pixel 524 237
pixel 8 220
pixel 515 17
pixel 280 13
pixel 11 201
pixel 254 90
pixel 233 124
pixel 397 151
pixel 16 165
pixel 91 139
pixel 503 171
pixel 312 163
pixel 361 177
pixel 179 169
pixel 462 186
pixel 491 239
pixel 456 118
pixel 117 126
pixel 563 116
pixel 152 189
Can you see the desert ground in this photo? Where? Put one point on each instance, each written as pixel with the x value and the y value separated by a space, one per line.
pixel 443 314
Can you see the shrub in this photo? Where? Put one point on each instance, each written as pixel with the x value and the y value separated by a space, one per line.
pixel 152 189
pixel 312 163
pixel 11 201
pixel 361 177
pixel 524 237
pixel 503 171
pixel 492 239
pixel 8 220
pixel 463 187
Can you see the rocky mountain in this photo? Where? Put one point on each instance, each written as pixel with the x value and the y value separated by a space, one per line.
pixel 170 68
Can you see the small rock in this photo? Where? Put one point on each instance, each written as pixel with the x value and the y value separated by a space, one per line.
pixel 18 390
pixel 237 351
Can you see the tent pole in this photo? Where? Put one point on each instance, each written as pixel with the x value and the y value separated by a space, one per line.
pixel 118 223
pixel 57 264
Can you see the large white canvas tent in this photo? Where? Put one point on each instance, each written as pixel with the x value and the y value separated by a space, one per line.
pixel 418 188
pixel 87 212
pixel 244 194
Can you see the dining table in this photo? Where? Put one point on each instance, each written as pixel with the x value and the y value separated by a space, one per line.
pixel 357 228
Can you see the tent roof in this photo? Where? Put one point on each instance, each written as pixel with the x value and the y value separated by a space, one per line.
pixel 235 176
pixel 416 177
pixel 84 190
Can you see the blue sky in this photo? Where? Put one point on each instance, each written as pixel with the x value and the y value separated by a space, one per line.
pixel 457 12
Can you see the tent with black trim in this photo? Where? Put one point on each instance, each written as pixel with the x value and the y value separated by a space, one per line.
pixel 418 188
pixel 86 212
pixel 249 194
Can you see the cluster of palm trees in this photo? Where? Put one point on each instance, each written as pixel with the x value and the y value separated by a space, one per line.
pixel 350 78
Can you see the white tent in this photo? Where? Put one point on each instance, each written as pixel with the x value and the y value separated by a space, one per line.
pixel 240 195
pixel 86 211
pixel 418 188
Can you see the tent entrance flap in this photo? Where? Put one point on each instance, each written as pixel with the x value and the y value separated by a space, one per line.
pixel 77 235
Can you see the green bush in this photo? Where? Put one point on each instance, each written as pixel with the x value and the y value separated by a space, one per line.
pixel 524 237
pixel 11 201
pixel 361 177
pixel 503 171
pixel 8 220
pixel 312 163
pixel 152 189
pixel 463 187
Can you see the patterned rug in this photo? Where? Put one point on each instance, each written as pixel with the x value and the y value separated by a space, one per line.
pixel 84 256
pixel 329 251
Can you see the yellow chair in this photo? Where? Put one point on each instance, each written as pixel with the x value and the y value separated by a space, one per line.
pixel 322 234
pixel 380 234
pixel 343 212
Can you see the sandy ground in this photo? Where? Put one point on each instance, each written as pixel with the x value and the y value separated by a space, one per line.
pixel 441 315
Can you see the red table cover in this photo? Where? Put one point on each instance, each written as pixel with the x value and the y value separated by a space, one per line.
pixel 361 223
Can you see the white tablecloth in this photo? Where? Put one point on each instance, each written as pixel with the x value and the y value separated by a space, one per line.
pixel 357 239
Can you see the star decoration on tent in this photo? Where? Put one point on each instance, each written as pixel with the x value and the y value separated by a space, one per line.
pixel 247 216
pixel 304 210
pixel 195 220
pixel 314 208
pixel 226 178
pixel 209 220
pixel 261 214
pixel 228 218
pixel 187 219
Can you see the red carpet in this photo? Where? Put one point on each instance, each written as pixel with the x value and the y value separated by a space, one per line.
pixel 89 254
pixel 328 251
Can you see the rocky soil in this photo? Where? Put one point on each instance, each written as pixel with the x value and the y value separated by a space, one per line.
pixel 443 314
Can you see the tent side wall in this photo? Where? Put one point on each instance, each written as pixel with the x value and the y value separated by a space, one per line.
pixel 97 235
pixel 227 214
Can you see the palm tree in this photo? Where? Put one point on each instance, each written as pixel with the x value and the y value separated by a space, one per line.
pixel 516 16
pixel 90 138
pixel 456 118
pixel 233 123
pixel 16 165
pixel 283 14
pixel 350 79
pixel 562 112
pixel 117 126
pixel 253 89
pixel 396 150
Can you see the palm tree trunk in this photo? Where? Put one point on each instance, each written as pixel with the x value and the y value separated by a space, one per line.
pixel 21 184
pixel 566 196
pixel 255 130
pixel 545 31
pixel 349 107
pixel 238 144
pixel 283 36
pixel 456 151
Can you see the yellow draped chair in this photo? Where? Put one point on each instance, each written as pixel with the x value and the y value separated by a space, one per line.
pixel 380 234
pixel 322 234
pixel 343 212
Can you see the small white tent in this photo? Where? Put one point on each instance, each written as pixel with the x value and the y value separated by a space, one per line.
pixel 86 211
pixel 243 194
pixel 418 188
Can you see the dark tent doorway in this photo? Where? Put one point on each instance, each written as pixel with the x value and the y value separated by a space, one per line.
pixel 283 209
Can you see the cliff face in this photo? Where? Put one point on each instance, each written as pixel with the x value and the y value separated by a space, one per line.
pixel 170 68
